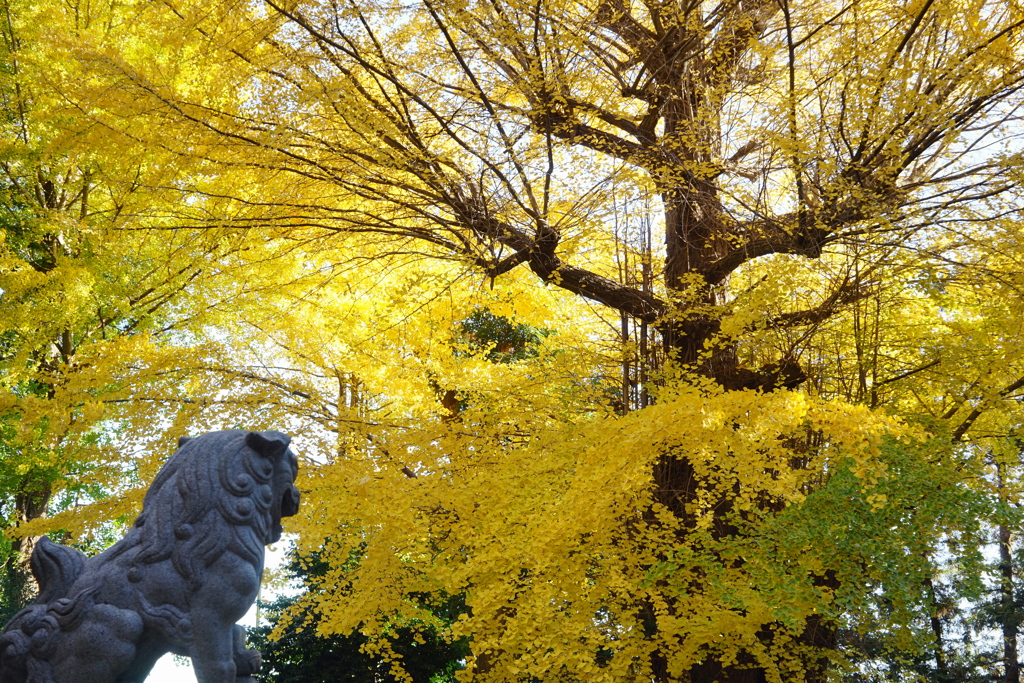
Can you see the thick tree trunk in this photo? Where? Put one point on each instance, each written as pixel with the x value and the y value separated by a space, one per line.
pixel 694 241
pixel 31 502
pixel 17 585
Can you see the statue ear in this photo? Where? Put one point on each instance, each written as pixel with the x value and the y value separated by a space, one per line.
pixel 183 440
pixel 268 448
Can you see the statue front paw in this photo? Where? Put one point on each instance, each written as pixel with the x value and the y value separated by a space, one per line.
pixel 247 663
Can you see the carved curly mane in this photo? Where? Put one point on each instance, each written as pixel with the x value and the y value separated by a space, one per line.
pixel 193 484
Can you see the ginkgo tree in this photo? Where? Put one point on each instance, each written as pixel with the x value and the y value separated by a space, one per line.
pixel 96 310
pixel 745 197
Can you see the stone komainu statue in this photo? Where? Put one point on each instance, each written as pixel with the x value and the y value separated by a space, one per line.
pixel 186 571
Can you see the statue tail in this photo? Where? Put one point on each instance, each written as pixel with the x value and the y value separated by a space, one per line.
pixel 27 641
pixel 56 567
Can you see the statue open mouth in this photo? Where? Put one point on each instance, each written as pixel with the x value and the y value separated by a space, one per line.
pixel 290 501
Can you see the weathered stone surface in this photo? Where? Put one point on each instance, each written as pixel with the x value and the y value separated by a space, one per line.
pixel 186 571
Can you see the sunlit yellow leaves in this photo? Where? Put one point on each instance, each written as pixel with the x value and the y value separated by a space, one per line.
pixel 298 206
pixel 555 537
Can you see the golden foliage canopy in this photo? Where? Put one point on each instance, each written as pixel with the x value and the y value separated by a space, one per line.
pixel 726 200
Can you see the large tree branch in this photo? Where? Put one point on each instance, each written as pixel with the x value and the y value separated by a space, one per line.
pixel 846 293
pixel 539 254
pixel 568 127
pixel 633 302
pixel 961 431
pixel 774 239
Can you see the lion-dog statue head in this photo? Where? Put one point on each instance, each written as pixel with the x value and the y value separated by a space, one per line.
pixel 186 571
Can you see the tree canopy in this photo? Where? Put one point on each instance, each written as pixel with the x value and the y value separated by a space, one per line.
pixel 682 340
